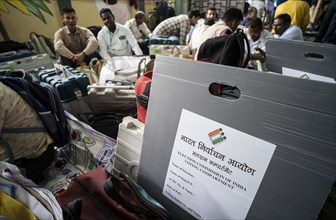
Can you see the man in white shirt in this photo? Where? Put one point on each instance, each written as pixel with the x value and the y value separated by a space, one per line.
pixel 194 42
pixel 138 26
pixel 284 30
pixel 257 36
pixel 115 39
pixel 140 30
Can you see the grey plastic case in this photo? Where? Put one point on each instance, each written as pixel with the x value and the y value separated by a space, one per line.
pixel 306 56
pixel 296 115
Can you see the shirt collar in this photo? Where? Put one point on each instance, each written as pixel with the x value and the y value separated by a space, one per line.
pixel 68 32
pixel 117 28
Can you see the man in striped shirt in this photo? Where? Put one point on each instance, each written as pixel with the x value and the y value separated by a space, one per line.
pixel 178 26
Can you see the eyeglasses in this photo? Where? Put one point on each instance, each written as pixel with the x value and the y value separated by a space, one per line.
pixel 276 25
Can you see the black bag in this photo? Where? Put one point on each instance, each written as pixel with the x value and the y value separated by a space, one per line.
pixel 111 2
pixel 226 50
pixel 94 29
pixel 108 123
pixel 10 45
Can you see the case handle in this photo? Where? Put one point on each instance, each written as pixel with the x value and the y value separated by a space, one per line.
pixel 314 56
pixel 224 91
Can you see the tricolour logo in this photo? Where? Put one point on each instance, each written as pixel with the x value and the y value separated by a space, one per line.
pixel 217 136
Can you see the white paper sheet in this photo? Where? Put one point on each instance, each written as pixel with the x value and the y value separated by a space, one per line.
pixel 214 170
pixel 304 75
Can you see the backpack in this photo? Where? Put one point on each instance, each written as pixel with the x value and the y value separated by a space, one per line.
pixel 10 45
pixel 226 50
pixel 94 29
pixel 45 100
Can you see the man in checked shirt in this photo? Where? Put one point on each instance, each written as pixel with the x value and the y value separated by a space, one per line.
pixel 178 26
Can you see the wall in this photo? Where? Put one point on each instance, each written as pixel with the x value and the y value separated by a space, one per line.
pixel 221 5
pixel 19 25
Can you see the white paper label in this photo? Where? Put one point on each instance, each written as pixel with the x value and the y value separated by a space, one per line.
pixel 305 75
pixel 214 170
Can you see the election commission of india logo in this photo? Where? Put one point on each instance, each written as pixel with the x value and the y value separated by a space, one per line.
pixel 217 136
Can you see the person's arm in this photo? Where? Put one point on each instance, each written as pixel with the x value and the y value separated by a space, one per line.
pixel 91 42
pixel 258 54
pixel 144 29
pixel 91 46
pixel 128 24
pixel 133 42
pixel 60 47
pixel 184 29
pixel 103 47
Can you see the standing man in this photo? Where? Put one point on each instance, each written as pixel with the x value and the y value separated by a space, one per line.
pixel 76 45
pixel 115 39
pixel 260 6
pixel 164 10
pixel 252 13
pixel 140 30
pixel 285 30
pixel 178 26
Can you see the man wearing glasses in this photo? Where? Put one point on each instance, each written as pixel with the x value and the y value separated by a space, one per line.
pixel 284 30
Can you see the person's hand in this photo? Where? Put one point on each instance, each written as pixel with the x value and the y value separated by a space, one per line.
pixel 79 58
pixel 258 54
pixel 82 64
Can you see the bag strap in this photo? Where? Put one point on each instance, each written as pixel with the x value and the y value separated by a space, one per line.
pixel 143 99
pixel 24 130
pixel 142 61
pixel 17 130
pixel 242 44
